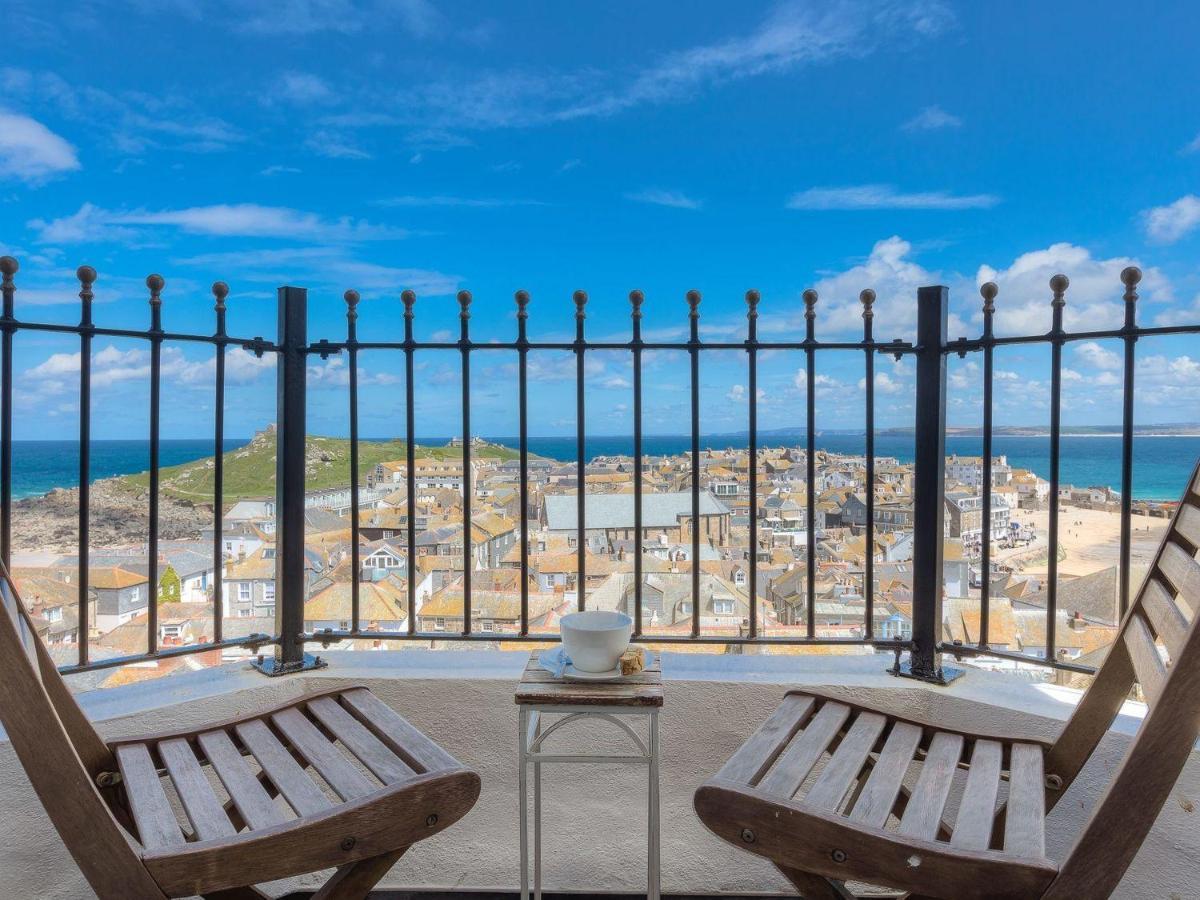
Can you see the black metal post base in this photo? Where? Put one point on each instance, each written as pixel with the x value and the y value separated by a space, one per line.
pixel 940 675
pixel 273 667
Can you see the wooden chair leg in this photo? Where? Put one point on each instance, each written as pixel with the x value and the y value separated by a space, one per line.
pixel 815 887
pixel 354 881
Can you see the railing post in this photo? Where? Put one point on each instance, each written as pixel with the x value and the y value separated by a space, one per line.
pixel 929 483
pixel 289 487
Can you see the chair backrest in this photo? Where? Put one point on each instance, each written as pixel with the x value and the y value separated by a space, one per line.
pixel 1157 647
pixel 62 755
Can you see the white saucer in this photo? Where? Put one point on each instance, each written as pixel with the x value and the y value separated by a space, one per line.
pixel 570 673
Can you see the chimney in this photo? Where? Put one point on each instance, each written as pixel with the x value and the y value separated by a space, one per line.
pixel 1077 622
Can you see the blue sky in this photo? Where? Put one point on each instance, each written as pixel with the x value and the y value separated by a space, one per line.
pixel 437 146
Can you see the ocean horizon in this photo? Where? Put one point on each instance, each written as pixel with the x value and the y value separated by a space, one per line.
pixel 1161 466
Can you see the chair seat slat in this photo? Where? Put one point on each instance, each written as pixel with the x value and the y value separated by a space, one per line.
pixel 762 748
pixel 793 766
pixel 281 767
pixel 248 795
pixel 1147 663
pixel 1187 523
pixel 394 730
pixel 204 810
pixel 322 755
pixel 843 768
pixel 156 823
pixel 878 798
pixel 1183 572
pixel 1169 623
pixel 923 814
pixel 1025 815
pixel 977 811
pixel 371 751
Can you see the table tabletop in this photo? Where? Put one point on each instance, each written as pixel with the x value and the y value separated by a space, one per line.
pixel 537 686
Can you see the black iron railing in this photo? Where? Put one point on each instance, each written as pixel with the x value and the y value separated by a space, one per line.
pixel 292 350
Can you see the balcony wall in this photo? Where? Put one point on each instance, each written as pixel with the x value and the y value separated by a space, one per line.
pixel 594 819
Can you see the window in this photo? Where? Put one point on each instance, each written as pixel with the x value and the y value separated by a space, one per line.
pixel 268 552
pixel 243 592
pixel 488 626
pixel 269 592
pixel 245 613
pixel 723 607
pixel 685 608
pixel 439 624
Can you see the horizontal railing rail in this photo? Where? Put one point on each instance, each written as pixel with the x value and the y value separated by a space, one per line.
pixel 291 348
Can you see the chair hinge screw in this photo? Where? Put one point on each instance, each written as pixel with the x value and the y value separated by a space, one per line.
pixel 348 844
pixel 1054 782
pixel 838 856
pixel 431 820
pixel 108 779
pixel 748 836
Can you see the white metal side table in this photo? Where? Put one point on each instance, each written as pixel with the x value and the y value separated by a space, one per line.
pixel 548 704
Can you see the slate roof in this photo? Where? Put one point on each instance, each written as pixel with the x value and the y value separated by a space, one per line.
pixel 603 511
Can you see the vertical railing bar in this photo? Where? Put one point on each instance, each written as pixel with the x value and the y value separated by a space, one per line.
pixel 988 291
pixel 636 298
pixel 352 298
pixel 1130 276
pixel 867 298
pixel 291 398
pixel 752 300
pixel 580 298
pixel 464 340
pixel 693 299
pixel 810 316
pixel 522 298
pixel 87 277
pixel 8 268
pixel 1058 284
pixel 409 298
pixel 155 284
pixel 929 483
pixel 220 291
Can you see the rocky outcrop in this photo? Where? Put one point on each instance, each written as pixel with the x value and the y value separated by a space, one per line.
pixel 119 514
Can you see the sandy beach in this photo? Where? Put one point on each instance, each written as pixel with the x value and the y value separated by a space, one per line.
pixel 1090 538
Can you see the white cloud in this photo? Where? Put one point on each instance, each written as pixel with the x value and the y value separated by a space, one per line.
pixel 1096 356
pixel 445 200
pixel 93 224
pixel 793 35
pixel 737 393
pixel 1193 146
pixel 885 196
pixel 333 145
pixel 673 199
pixel 300 17
pixel 328 267
pixel 1093 298
pixel 31 152
pixel 1167 224
pixel 302 89
pixel 279 170
pixel 932 118
pixel 884 384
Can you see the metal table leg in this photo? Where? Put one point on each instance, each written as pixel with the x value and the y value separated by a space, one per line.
pixel 652 833
pixel 523 790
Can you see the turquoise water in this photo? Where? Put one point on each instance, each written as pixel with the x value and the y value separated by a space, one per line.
pixel 1161 464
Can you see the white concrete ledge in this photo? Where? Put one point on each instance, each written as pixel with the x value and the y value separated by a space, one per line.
pixel 595 831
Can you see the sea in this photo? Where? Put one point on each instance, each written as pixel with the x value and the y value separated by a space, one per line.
pixel 1162 463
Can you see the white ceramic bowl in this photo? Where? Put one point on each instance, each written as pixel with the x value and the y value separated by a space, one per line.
pixel 594 640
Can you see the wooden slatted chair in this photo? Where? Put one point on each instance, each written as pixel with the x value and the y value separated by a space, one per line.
pixel 335 779
pixel 875 811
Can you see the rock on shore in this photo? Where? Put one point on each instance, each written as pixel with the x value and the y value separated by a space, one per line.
pixel 119 514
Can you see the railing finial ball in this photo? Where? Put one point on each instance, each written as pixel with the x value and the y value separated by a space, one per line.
pixel 408 298
pixel 351 297
pixel 810 302
pixel 9 266
pixel 867 298
pixel 693 301
pixel 156 283
pixel 220 290
pixel 753 297
pixel 1059 283
pixel 1130 276
pixel 86 275
pixel 464 303
pixel 580 298
pixel 988 291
